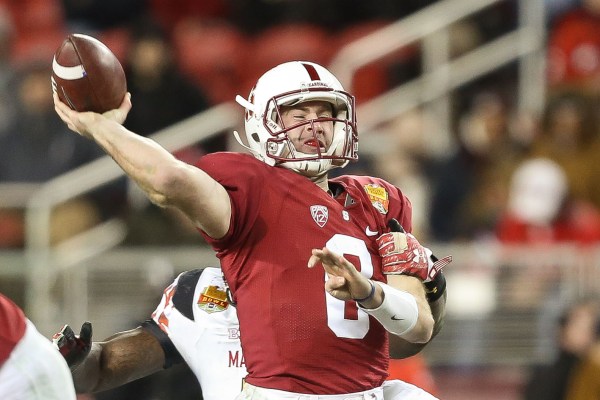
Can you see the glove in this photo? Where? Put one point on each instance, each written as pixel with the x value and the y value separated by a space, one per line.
pixel 401 253
pixel 73 348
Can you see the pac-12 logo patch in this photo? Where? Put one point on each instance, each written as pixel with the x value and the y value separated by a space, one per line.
pixel 320 214
pixel 213 299
pixel 378 196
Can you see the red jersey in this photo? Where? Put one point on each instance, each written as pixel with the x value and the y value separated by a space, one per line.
pixel 574 47
pixel 579 223
pixel 12 321
pixel 295 336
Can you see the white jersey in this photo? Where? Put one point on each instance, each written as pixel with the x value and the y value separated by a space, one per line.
pixel 198 320
pixel 202 325
pixel 35 370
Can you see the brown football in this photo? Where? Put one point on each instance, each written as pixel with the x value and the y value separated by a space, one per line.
pixel 87 76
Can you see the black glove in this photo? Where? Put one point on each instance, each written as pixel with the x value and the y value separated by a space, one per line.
pixel 74 348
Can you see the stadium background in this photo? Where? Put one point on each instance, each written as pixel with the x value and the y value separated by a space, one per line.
pixel 80 243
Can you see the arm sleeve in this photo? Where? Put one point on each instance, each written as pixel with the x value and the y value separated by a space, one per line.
pixel 172 356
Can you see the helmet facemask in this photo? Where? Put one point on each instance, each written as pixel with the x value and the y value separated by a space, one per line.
pixel 267 137
pixel 340 151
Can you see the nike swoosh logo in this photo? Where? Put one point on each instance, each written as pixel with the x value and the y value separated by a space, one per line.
pixel 369 232
pixel 394 318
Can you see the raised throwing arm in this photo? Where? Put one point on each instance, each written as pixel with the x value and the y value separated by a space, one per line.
pixel 166 181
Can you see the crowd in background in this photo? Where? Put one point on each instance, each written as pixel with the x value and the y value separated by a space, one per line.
pixel 511 175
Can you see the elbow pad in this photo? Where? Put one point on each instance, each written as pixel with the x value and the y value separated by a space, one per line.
pixel 398 313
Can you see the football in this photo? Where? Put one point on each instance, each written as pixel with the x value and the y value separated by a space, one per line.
pixel 87 76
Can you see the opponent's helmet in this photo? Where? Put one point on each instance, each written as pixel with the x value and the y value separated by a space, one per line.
pixel 289 84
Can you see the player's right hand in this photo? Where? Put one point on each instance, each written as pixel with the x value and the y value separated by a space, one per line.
pixel 83 122
pixel 74 348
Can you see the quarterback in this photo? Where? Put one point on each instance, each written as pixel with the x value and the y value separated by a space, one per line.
pixel 273 217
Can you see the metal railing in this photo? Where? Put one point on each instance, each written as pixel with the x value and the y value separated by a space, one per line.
pixel 430 29
pixel 503 301
pixel 44 260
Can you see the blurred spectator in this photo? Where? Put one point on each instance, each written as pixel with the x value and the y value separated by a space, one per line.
pixel 469 187
pixel 6 69
pixel 97 15
pixel 574 49
pixel 542 211
pixel 405 159
pixel 577 331
pixel 569 136
pixel 162 96
pixel 584 383
pixel 36 147
pixel 557 8
pixel 170 12
pixel 252 16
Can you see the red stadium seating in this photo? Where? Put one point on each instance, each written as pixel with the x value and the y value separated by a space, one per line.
pixel 213 53
pixel 287 42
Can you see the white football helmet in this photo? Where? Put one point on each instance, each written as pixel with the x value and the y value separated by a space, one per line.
pixel 289 84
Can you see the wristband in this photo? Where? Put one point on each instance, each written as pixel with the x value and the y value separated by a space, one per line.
pixel 398 313
pixel 370 294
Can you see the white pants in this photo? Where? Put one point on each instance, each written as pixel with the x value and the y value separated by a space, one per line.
pixel 400 390
pixel 251 392
pixel 35 370
pixel 391 390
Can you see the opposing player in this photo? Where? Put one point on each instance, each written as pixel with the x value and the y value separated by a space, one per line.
pixel 194 322
pixel 30 368
pixel 271 215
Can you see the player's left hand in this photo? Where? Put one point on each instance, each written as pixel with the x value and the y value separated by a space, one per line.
pixel 401 253
pixel 73 348
pixel 344 281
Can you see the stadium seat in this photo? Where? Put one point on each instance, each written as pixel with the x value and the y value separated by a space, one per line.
pixel 38 16
pixel 36 47
pixel 39 30
pixel 117 40
pixel 213 54
pixel 169 12
pixel 287 42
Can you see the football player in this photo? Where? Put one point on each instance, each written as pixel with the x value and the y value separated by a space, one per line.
pixel 306 331
pixel 30 368
pixel 195 322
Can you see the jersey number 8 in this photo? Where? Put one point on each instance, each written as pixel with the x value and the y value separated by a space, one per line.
pixel 336 320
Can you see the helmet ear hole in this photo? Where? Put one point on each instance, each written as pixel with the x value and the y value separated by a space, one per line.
pixel 255 137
